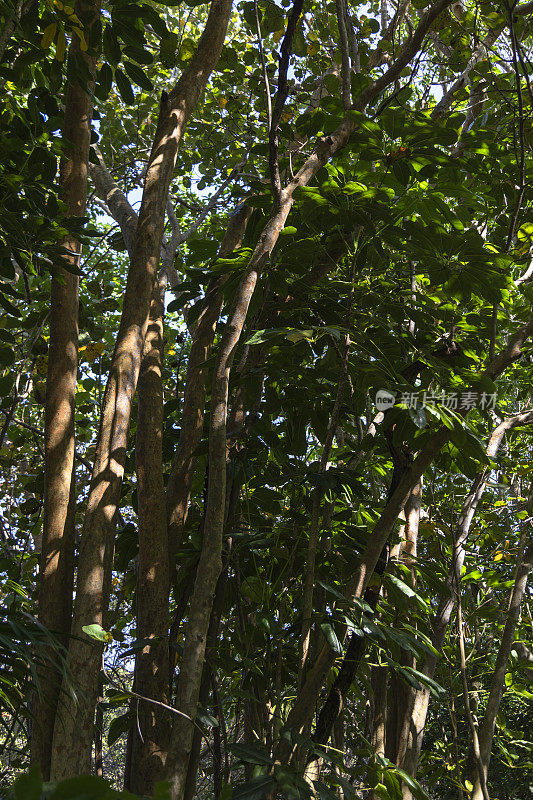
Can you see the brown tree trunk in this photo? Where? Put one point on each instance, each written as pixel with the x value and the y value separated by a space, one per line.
pixel 379 679
pixel 73 730
pixel 151 664
pixel 210 559
pixel 57 554
pixel 182 473
pixel 379 728
pixel 207 676
pixel 402 695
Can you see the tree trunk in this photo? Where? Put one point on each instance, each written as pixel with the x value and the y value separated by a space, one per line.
pixel 379 679
pixel 486 730
pixel 402 695
pixel 73 731
pixel 210 559
pixel 151 664
pixel 207 676
pixel 57 554
pixel 182 473
pixel 379 728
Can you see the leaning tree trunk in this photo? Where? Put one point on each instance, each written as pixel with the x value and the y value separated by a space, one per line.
pixel 73 732
pixel 57 555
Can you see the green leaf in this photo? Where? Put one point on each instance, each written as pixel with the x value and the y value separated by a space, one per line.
pixel 162 789
pixel 324 792
pixel 151 16
pixel 96 632
pixel 417 790
pixel 250 754
pixel 118 726
pixel 435 688
pixel 207 720
pixel 104 82
pixel 331 637
pixel 84 787
pixel 111 46
pixel 168 50
pixel 8 306
pixel 124 87
pixel 254 790
pixel 403 587
pixel 138 76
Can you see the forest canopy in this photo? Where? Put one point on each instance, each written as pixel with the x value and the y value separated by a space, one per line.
pixel 266 407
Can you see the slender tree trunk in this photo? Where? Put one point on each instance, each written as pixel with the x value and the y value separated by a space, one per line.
pixel 182 473
pixel 217 739
pixel 488 725
pixel 314 530
pixel 57 554
pixel 379 678
pixel 210 559
pixel 207 679
pixel 481 776
pixel 403 697
pixel 151 665
pixel 73 730
pixel 379 685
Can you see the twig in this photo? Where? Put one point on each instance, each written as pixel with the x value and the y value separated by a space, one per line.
pixel 38 432
pixel 156 703
pixel 263 65
pixel 236 171
pixel 345 58
pixel 279 103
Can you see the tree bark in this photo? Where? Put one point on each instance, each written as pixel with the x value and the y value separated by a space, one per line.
pixel 73 731
pixel 207 677
pixel 57 554
pixel 402 694
pixel 379 680
pixel 151 664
